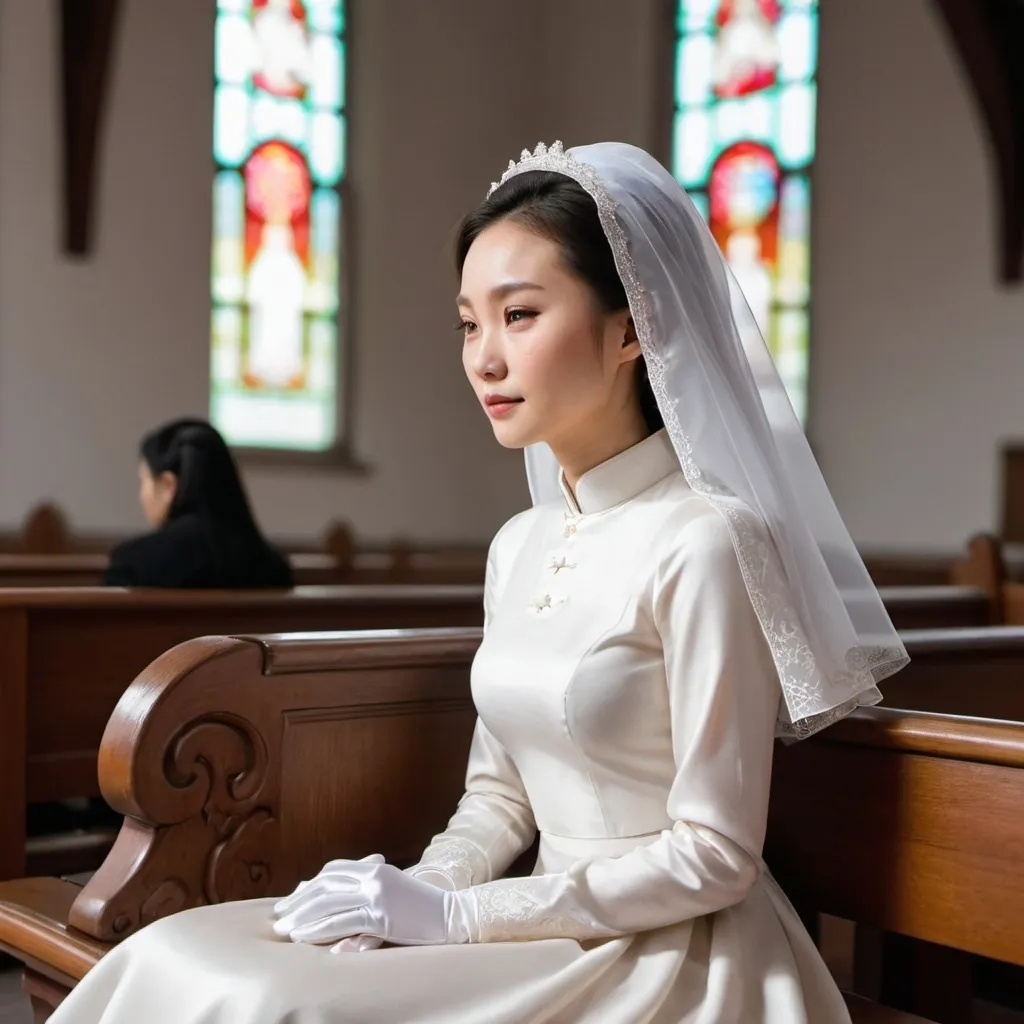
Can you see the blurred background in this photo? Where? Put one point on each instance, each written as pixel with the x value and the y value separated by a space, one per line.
pixel 243 210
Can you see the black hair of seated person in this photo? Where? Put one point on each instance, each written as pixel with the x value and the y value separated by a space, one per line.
pixel 210 538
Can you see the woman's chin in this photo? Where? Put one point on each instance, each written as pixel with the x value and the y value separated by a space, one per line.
pixel 509 437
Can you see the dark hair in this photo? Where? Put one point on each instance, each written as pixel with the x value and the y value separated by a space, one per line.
pixel 558 208
pixel 209 486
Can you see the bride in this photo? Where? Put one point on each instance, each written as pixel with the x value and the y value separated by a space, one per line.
pixel 681 592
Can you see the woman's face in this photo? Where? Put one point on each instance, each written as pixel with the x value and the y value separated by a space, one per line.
pixel 156 494
pixel 545 362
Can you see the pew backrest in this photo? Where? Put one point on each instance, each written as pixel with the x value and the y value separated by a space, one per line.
pixel 245 763
pixel 976 672
pixel 69 654
pixel 909 822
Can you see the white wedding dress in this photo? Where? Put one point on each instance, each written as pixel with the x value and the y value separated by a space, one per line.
pixel 627 705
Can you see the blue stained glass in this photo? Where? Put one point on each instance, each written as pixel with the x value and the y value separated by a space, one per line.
pixel 694 63
pixel 228 204
pixel 328 72
pixel 797 34
pixel 326 149
pixel 231 140
pixel 277 118
pixel 796 125
pixel 326 220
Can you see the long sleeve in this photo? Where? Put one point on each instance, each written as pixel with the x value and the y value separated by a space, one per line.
pixel 494 822
pixel 723 700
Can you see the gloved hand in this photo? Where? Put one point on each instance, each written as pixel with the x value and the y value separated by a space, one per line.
pixel 368 898
pixel 353 944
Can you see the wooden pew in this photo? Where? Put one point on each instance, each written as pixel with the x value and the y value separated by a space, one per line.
pixel 977 672
pixel 910 823
pixel 69 654
pixel 986 566
pixel 338 559
pixel 87 570
pixel 938 607
pixel 905 821
pixel 359 746
pixel 424 568
pixel 929 607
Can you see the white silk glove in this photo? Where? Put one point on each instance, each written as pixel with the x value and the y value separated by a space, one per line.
pixel 368 899
pixel 353 944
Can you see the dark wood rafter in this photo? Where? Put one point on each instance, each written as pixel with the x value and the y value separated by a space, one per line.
pixel 989 37
pixel 87 30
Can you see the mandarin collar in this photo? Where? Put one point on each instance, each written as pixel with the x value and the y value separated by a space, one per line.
pixel 623 476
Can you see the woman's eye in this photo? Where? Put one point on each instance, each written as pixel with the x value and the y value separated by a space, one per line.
pixel 465 326
pixel 515 316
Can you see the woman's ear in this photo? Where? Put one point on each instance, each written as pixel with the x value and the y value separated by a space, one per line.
pixel 630 349
pixel 167 484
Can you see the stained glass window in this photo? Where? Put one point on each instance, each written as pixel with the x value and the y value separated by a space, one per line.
pixel 743 148
pixel 279 152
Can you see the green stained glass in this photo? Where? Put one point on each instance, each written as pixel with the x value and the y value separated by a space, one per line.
pixel 743 144
pixel 230 125
pixel 326 149
pixel 232 49
pixel 798 45
pixel 695 15
pixel 277 118
pixel 328 72
pixel 693 142
pixel 750 117
pixel 326 211
pixel 326 15
pixel 693 69
pixel 796 120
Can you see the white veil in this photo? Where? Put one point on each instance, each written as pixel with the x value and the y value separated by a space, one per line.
pixel 737 438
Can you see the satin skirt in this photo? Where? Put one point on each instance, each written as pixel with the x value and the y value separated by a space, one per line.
pixel 753 963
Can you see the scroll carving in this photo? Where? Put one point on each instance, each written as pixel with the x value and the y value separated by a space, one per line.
pixel 209 826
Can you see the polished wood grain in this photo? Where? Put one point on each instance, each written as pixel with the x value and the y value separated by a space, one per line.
pixel 243 763
pixel 908 822
pixel 69 655
pixel 223 775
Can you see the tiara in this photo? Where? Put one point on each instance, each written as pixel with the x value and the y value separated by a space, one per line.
pixel 555 158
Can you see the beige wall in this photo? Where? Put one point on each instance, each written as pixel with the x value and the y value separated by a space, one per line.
pixel 918 368
pixel 907 319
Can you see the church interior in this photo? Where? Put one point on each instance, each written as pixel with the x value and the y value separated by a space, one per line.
pixel 241 213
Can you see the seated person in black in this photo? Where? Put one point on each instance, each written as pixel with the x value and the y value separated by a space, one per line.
pixel 204 534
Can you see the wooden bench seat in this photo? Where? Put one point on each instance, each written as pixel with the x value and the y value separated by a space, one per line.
pixel 69 655
pixel 908 822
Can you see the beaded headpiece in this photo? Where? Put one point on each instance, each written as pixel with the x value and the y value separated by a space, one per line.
pixel 555 158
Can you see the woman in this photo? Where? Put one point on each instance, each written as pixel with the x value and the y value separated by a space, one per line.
pixel 204 532
pixel 662 612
